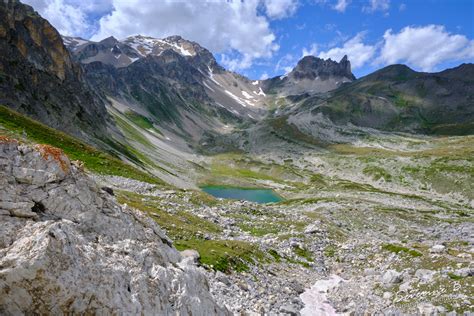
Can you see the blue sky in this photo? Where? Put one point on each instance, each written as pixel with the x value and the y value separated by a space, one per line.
pixel 265 38
pixel 318 24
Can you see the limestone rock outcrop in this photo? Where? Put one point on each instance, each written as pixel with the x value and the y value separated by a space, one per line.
pixel 67 247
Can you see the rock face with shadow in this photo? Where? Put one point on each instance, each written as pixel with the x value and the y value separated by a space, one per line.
pixel 67 247
pixel 311 75
pixel 39 78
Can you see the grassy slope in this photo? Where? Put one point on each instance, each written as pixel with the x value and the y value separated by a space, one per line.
pixel 188 231
pixel 94 160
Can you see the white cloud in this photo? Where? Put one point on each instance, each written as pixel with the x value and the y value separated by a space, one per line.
pixel 264 76
pixel 357 52
pixel 69 17
pixel 313 49
pixel 402 7
pixel 286 63
pixel 341 5
pixel 377 5
pixel 222 27
pixel 226 27
pixel 424 47
pixel 278 9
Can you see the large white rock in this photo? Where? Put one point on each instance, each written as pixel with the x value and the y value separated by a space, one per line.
pixel 437 248
pixel 66 247
pixel 425 275
pixel 391 276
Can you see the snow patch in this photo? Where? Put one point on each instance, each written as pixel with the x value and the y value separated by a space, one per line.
pixel 246 95
pixel 260 92
pixel 315 299
pixel 80 41
pixel 235 112
pixel 211 76
pixel 242 102
pixel 255 82
pixel 180 49
pixel 236 98
pixel 207 86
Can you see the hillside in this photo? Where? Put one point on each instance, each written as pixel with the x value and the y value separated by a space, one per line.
pixel 139 176
pixel 396 98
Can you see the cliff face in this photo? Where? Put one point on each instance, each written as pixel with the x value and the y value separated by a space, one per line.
pixel 38 77
pixel 66 246
pixel 310 67
pixel 311 75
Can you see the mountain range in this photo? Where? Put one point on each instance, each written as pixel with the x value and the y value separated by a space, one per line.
pixel 107 149
pixel 187 103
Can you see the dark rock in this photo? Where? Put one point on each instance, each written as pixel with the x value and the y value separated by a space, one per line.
pixel 38 77
pixel 108 190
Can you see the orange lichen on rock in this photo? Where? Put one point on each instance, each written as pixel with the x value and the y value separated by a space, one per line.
pixel 57 154
pixel 4 139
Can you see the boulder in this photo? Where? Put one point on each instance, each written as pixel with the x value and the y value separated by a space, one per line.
pixel 430 309
pixel 437 249
pixel 391 277
pixel 425 275
pixel 67 247
pixel 311 229
pixel 190 255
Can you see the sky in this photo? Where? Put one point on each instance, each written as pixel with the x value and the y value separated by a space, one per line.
pixel 266 38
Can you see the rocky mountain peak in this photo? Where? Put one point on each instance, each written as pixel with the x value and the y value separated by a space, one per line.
pixel 109 41
pixel 174 38
pixel 311 67
pixel 311 75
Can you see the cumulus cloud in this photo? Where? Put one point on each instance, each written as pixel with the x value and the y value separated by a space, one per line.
pixel 424 47
pixel 286 63
pixel 278 9
pixel 357 52
pixel 222 27
pixel 341 5
pixel 377 5
pixel 69 17
pixel 264 76
pixel 227 27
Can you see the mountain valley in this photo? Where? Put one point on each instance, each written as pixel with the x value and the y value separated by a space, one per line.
pixel 375 176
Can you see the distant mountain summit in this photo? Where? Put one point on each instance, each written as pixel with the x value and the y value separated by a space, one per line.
pixel 311 75
pixel 173 82
pixel 121 53
pixel 310 67
pixel 397 98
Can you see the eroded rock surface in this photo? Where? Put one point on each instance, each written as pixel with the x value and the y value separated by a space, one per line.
pixel 66 246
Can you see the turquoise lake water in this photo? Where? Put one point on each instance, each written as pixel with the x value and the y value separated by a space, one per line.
pixel 253 195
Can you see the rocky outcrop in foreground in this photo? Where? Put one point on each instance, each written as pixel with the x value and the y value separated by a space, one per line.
pixel 67 247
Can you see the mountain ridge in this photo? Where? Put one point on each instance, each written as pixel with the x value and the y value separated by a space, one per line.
pixel 375 214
